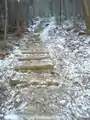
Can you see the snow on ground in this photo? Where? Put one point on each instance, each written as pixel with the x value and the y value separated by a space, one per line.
pixel 6 65
pixel 45 31
pixel 71 56
pixel 7 71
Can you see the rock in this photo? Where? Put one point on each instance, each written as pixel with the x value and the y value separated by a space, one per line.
pixel 81 33
pixel 2 87
pixel 17 44
pixel 16 82
pixel 52 83
pixel 1 116
pixel 47 24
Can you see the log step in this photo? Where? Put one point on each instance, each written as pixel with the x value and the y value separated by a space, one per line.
pixel 34 67
pixel 36 83
pixel 37 41
pixel 33 83
pixel 35 52
pixel 33 58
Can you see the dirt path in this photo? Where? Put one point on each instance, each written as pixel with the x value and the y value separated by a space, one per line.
pixel 35 84
pixel 49 78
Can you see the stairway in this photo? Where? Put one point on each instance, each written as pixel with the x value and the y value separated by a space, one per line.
pixel 34 67
pixel 33 83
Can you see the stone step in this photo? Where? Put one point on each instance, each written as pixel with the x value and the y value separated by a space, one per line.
pixel 34 67
pixel 33 58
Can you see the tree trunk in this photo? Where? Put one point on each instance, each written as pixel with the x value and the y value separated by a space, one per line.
pixel 66 2
pixel 86 11
pixel 18 21
pixel 6 15
pixel 74 14
pixel 60 11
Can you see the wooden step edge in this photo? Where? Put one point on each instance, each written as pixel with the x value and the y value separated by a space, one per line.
pixel 34 67
pixel 33 58
pixel 36 83
pixel 35 52
pixel 38 41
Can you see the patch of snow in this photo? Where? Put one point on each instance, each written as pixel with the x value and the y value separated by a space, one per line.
pixel 87 39
pixel 32 28
pixel 44 34
pixel 11 117
pixel 71 57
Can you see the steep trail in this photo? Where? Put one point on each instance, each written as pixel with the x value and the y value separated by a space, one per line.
pixel 60 92
pixel 35 83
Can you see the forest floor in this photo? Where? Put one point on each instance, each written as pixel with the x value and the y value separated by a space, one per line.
pixel 70 55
